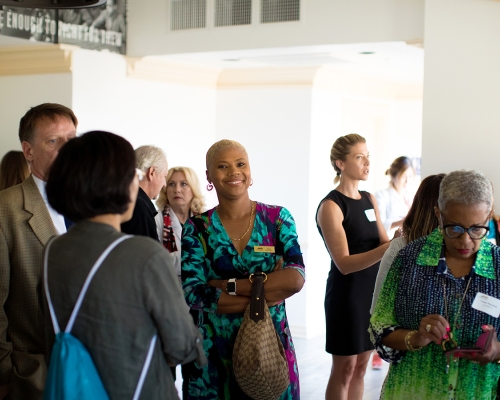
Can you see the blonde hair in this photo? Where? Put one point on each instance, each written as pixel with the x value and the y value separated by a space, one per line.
pixel 341 148
pixel 197 203
pixel 150 156
pixel 222 145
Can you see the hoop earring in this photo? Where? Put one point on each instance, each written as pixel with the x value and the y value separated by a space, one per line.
pixel 210 187
pixel 251 181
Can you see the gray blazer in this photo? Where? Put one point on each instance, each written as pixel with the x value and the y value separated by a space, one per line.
pixel 133 296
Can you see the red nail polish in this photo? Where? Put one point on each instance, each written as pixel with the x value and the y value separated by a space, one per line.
pixel 445 336
pixel 484 326
pixel 448 329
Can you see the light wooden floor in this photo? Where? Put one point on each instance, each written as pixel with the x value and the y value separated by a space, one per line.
pixel 314 369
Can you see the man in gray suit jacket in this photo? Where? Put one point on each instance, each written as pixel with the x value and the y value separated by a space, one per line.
pixel 27 222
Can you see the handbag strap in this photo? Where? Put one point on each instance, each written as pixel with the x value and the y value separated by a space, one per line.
pixel 86 284
pixel 257 296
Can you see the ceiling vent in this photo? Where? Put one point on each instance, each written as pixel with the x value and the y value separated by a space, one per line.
pixel 279 11
pixel 233 12
pixel 188 14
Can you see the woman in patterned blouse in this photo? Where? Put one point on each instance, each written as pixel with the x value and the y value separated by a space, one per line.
pixel 224 244
pixel 426 303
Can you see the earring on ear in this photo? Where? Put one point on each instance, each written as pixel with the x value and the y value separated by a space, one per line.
pixel 210 187
pixel 251 181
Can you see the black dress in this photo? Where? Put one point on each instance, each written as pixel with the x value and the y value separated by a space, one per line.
pixel 348 297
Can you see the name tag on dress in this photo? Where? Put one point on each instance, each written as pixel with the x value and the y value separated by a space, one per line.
pixel 263 249
pixel 370 214
pixel 487 304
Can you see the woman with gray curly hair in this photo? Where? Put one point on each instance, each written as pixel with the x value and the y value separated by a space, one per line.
pixel 439 297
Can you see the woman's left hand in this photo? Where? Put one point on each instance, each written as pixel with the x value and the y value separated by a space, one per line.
pixel 491 355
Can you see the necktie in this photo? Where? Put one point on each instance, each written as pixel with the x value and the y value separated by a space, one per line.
pixel 68 223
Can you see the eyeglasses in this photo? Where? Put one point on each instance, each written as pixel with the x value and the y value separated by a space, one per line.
pixel 476 232
pixel 140 174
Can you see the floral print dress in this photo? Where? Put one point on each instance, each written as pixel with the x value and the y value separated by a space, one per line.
pixel 208 253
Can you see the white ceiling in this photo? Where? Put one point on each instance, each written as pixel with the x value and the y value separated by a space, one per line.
pixel 394 61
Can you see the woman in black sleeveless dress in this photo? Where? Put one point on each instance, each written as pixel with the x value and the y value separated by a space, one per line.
pixel 349 223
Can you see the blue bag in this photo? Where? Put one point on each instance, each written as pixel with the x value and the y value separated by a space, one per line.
pixel 72 373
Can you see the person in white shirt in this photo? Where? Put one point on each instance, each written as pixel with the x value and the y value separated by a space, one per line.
pixel 27 223
pixel 420 221
pixel 395 201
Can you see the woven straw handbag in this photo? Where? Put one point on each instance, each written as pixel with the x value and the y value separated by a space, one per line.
pixel 259 361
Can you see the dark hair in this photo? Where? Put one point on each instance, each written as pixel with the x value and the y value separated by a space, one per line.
pixel 46 111
pixel 398 166
pixel 14 169
pixel 91 176
pixel 421 219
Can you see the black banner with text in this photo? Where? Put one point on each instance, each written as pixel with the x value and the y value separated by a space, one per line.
pixel 99 28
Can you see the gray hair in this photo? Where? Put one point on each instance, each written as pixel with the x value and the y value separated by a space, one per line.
pixel 150 156
pixel 467 187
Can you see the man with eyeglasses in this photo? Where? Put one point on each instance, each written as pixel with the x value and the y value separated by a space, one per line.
pixel 152 168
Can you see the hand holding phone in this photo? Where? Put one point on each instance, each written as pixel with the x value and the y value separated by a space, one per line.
pixel 481 346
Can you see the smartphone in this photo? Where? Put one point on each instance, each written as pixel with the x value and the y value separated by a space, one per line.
pixel 482 345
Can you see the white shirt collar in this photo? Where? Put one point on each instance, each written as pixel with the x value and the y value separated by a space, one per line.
pixel 57 218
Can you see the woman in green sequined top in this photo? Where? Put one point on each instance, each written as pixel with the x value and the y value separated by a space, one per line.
pixel 427 301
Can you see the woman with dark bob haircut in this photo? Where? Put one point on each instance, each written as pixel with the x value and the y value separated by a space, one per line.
pixel 134 296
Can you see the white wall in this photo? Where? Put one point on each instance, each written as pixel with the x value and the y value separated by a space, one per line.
pixel 178 118
pixel 273 123
pixel 19 93
pixel 322 22
pixel 461 122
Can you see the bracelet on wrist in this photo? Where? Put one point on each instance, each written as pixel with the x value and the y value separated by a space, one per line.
pixel 408 342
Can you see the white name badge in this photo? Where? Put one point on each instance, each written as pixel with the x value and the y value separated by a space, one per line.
pixel 370 214
pixel 487 304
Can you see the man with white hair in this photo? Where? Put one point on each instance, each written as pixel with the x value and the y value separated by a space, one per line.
pixel 152 161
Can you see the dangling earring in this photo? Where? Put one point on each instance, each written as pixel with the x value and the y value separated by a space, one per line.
pixel 251 181
pixel 210 187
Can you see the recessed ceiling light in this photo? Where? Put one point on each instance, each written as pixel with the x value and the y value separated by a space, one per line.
pixel 366 52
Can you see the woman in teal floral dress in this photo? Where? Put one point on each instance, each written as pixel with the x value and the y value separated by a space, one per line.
pixel 228 243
